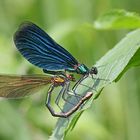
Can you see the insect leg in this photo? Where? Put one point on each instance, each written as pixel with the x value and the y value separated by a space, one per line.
pixel 66 94
pixel 48 100
pixel 79 81
pixel 59 96
pixel 71 111
pixel 47 103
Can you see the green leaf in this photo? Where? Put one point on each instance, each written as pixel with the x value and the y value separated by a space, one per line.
pixel 118 19
pixel 111 66
pixel 13 125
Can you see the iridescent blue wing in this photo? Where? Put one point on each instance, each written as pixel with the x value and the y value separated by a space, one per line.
pixel 41 50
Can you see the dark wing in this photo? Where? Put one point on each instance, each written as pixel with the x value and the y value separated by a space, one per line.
pixel 41 50
pixel 21 86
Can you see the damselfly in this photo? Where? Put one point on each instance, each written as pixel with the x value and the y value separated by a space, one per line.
pixel 41 50
pixel 20 86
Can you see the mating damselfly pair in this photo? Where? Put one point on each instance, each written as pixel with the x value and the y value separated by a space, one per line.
pixel 42 51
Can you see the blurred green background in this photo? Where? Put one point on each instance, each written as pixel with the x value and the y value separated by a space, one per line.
pixel 114 115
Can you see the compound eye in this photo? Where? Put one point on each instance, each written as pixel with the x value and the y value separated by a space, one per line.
pixel 94 70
